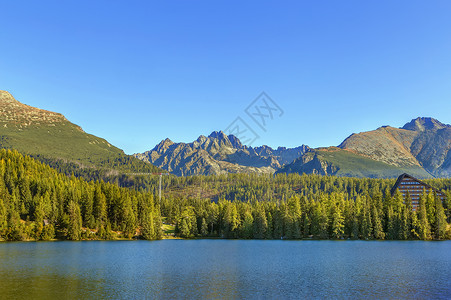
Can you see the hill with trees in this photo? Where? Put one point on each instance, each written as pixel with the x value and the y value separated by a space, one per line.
pixel 38 203
pixel 51 138
pixel 297 206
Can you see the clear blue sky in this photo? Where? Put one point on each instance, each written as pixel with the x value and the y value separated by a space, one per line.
pixel 136 72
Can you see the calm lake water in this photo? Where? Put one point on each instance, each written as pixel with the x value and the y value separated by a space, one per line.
pixel 225 269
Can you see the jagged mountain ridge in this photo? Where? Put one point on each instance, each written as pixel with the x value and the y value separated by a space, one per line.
pixel 218 154
pixel 421 148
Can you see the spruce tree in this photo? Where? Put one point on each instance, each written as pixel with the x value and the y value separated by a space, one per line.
pixel 75 222
pixel 424 228
pixel 204 228
pixel 440 225
pixel 337 223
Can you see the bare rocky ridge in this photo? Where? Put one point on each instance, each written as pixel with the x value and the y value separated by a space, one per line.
pixel 218 154
pixel 14 113
pixel 432 145
pixel 385 144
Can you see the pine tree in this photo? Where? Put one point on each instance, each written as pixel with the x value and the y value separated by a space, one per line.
pixel 391 226
pixel 204 228
pixel 414 232
pixel 424 229
pixel 3 218
pixel 184 228
pixel 39 220
pixel 430 207
pixel 75 222
pixel 278 224
pixel 260 223
pixel 405 225
pixel 247 227
pixel 337 224
pixel 366 226
pixel 148 229
pixel 440 225
pixel 100 208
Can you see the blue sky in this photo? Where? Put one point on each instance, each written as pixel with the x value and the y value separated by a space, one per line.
pixel 137 72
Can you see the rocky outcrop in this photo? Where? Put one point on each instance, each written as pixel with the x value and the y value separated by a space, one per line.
pixel 432 145
pixel 424 124
pixel 19 115
pixel 218 154
pixel 310 163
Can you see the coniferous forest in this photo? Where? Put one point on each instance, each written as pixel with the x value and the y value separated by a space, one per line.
pixel 39 203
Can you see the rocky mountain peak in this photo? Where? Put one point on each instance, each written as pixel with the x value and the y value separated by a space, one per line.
pixel 7 98
pixel 422 124
pixel 201 139
pixel 220 135
pixel 16 114
pixel 220 139
pixel 164 144
pixel 218 154
pixel 167 141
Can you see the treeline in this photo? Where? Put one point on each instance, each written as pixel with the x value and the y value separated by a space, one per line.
pixel 111 170
pixel 37 202
pixel 301 206
pixel 280 188
pixel 253 187
pixel 327 216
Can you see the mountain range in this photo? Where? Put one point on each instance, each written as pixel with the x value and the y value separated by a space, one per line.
pixel 218 154
pixel 421 148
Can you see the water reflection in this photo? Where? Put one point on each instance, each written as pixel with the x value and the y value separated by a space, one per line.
pixel 225 269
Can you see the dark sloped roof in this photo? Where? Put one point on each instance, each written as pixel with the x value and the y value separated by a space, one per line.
pixel 405 175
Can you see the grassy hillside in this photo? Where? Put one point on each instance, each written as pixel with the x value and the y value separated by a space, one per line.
pixel 63 141
pixel 49 137
pixel 335 161
pixel 351 164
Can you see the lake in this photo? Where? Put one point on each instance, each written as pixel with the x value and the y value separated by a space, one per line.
pixel 197 269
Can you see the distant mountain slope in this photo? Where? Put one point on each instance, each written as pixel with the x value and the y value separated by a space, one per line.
pixel 218 154
pixel 422 142
pixel 385 144
pixel 51 137
pixel 432 150
pixel 420 148
pixel 339 162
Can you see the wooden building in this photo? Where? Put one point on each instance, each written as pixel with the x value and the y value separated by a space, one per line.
pixel 414 187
